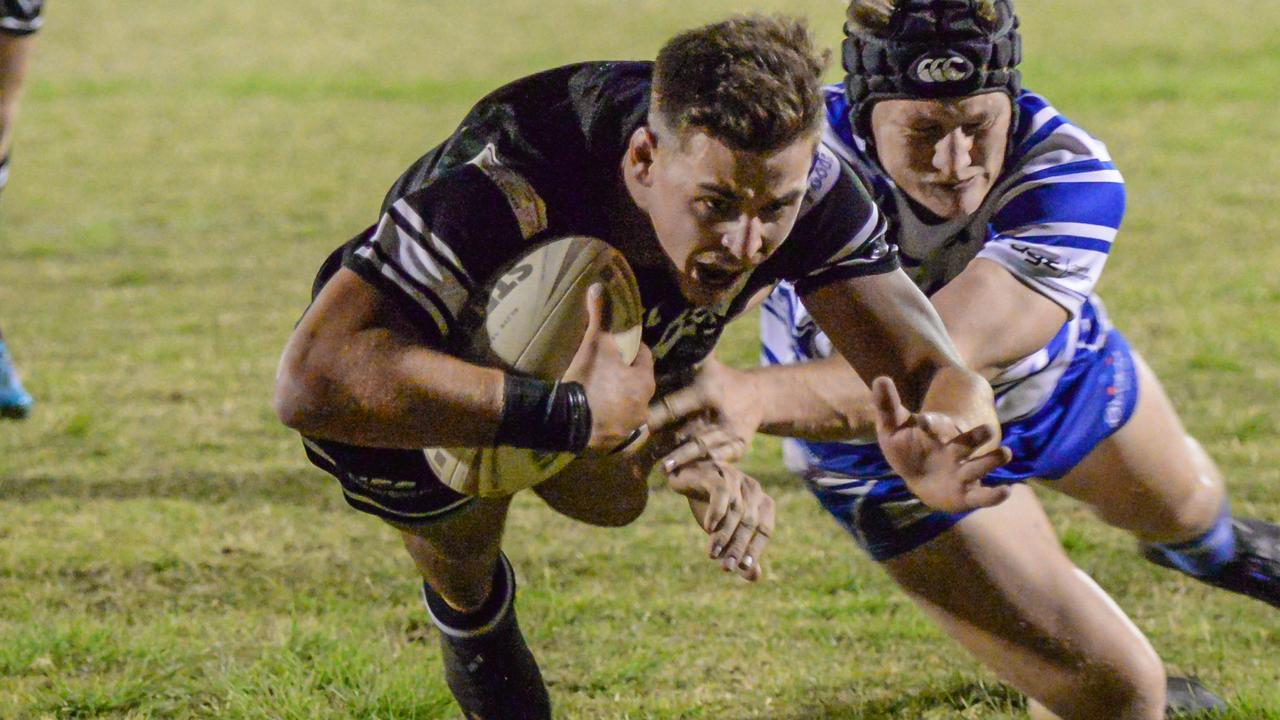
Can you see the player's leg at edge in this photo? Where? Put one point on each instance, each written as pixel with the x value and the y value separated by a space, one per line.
pixel 15 54
pixel 1154 480
pixel 15 401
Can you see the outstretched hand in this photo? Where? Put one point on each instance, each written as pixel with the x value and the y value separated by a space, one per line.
pixel 712 418
pixel 933 457
pixel 733 509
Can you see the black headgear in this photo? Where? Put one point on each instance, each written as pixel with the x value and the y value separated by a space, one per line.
pixel 932 49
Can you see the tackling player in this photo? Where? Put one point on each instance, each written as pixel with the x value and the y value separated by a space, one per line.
pixel 19 19
pixel 697 167
pixel 1004 213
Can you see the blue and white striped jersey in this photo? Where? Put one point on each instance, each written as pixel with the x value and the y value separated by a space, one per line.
pixel 1049 219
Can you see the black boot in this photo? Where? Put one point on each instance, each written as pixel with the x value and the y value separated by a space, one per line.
pixel 1188 699
pixel 487 664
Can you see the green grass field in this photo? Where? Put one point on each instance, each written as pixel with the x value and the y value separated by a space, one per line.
pixel 165 550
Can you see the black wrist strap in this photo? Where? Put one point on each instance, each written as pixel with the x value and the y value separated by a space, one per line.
pixel 542 415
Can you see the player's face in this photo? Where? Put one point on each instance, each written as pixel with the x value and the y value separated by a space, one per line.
pixel 718 212
pixel 944 154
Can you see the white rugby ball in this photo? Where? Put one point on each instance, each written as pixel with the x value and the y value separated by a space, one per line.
pixel 532 321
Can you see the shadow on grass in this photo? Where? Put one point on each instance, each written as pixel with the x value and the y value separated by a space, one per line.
pixel 303 487
pixel 961 696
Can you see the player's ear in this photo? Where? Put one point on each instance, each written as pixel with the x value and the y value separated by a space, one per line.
pixel 641 153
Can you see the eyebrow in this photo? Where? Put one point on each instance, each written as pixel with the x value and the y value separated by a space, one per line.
pixel 719 189
pixel 729 192
pixel 789 198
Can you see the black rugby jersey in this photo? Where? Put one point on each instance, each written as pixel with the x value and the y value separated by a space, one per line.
pixel 539 159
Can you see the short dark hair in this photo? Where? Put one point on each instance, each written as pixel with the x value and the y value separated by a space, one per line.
pixel 753 82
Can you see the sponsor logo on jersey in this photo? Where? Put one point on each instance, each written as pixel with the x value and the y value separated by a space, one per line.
pixel 702 324
pixel 823 175
pixel 508 282
pixel 902 514
pixel 1049 263
pixel 933 69
pixel 1119 389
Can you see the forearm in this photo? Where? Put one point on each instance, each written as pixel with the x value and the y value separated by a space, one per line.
pixel 373 388
pixel 824 400
pixel 356 371
pixel 883 326
pixel 819 400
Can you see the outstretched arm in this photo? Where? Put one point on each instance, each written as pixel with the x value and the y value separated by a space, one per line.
pixel 820 400
pixel 994 319
pixel 887 330
pixel 885 327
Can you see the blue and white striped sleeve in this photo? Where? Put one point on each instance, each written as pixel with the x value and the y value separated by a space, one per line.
pixel 777 331
pixel 788 334
pixel 1057 218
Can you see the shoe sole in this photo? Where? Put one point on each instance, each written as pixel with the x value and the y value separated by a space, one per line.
pixel 15 412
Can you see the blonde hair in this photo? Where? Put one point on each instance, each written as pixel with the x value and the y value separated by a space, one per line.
pixel 874 16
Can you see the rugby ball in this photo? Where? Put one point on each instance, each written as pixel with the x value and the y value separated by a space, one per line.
pixel 531 319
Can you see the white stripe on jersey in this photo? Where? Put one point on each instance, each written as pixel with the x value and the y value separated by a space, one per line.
pixel 403 250
pixel 873 225
pixel 419 226
pixel 1097 232
pixel 1096 176
pixel 1040 118
pixel 394 275
pixel 412 258
pixel 831 140
pixel 1054 153
pixel 1072 136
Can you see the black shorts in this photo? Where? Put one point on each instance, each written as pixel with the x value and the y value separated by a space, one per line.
pixel 395 485
pixel 21 17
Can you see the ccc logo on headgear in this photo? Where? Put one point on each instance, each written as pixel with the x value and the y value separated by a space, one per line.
pixel 933 69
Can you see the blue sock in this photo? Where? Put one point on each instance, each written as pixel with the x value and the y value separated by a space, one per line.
pixel 1204 556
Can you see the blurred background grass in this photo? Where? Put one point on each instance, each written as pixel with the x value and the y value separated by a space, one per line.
pixel 182 168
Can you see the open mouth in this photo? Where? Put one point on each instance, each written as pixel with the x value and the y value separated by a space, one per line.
pixel 716 277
